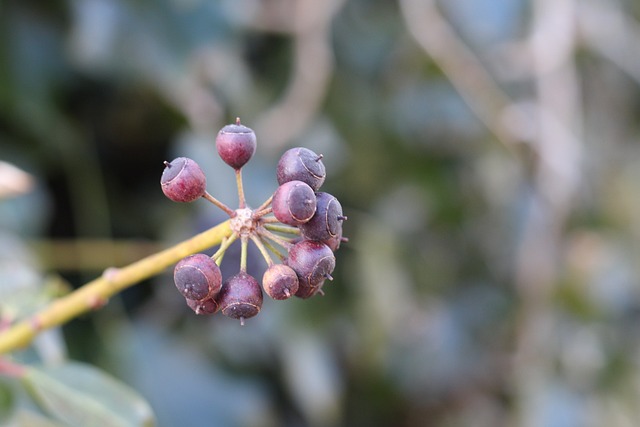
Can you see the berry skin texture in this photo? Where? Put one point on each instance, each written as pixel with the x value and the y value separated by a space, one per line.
pixel 280 282
pixel 301 164
pixel 240 297
pixel 236 144
pixel 182 180
pixel 313 262
pixel 207 306
pixel 294 203
pixel 327 221
pixel 197 277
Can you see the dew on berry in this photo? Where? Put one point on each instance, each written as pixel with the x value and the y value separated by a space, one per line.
pixel 312 261
pixel 301 164
pixel 294 203
pixel 182 180
pixel 197 277
pixel 327 221
pixel 236 144
pixel 280 282
pixel 240 297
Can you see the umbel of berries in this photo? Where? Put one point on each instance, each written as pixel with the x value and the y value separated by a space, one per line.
pixel 296 230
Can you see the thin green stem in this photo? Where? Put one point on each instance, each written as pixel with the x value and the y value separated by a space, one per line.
pixel 281 228
pixel 265 254
pixel 243 202
pixel 273 249
pixel 285 243
pixel 96 293
pixel 217 257
pixel 219 204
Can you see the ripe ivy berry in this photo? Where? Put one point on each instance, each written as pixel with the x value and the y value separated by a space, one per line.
pixel 197 277
pixel 301 164
pixel 207 306
pixel 236 144
pixel 327 221
pixel 313 262
pixel 240 297
pixel 294 203
pixel 182 180
pixel 280 282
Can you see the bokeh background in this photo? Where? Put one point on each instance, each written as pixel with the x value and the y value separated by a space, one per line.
pixel 486 152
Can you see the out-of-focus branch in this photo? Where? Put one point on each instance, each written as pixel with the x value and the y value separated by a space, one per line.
pixel 466 73
pixel 555 183
pixel 311 72
pixel 614 35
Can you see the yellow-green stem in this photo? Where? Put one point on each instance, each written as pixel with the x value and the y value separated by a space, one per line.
pixel 217 257
pixel 272 248
pixel 242 200
pixel 281 228
pixel 243 254
pixel 265 254
pixel 97 292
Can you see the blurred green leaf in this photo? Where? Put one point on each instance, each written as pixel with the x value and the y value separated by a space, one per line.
pixel 7 400
pixel 83 396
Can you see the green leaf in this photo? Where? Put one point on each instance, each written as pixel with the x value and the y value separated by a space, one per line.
pixel 7 400
pixel 83 396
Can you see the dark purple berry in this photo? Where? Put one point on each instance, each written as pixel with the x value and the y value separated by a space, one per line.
pixel 207 306
pixel 240 297
pixel 335 241
pixel 280 282
pixel 294 203
pixel 301 164
pixel 182 180
pixel 313 262
pixel 236 144
pixel 327 221
pixel 197 277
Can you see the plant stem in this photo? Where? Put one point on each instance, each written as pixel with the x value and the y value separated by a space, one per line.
pixel 265 204
pixel 262 212
pixel 273 249
pixel 243 254
pixel 96 293
pixel 219 204
pixel 217 257
pixel 243 202
pixel 285 243
pixel 281 228
pixel 265 254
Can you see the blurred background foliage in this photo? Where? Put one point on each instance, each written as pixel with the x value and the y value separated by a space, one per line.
pixel 486 152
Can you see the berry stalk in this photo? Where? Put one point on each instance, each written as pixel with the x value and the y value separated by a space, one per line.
pixel 97 292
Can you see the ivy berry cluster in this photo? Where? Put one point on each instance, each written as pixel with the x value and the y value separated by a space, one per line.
pixel 298 225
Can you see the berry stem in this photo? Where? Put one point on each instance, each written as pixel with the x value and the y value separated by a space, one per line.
pixel 224 245
pixel 219 204
pixel 285 243
pixel 243 254
pixel 281 228
pixel 113 281
pixel 265 254
pixel 265 204
pixel 269 220
pixel 273 249
pixel 242 203
pixel 263 212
